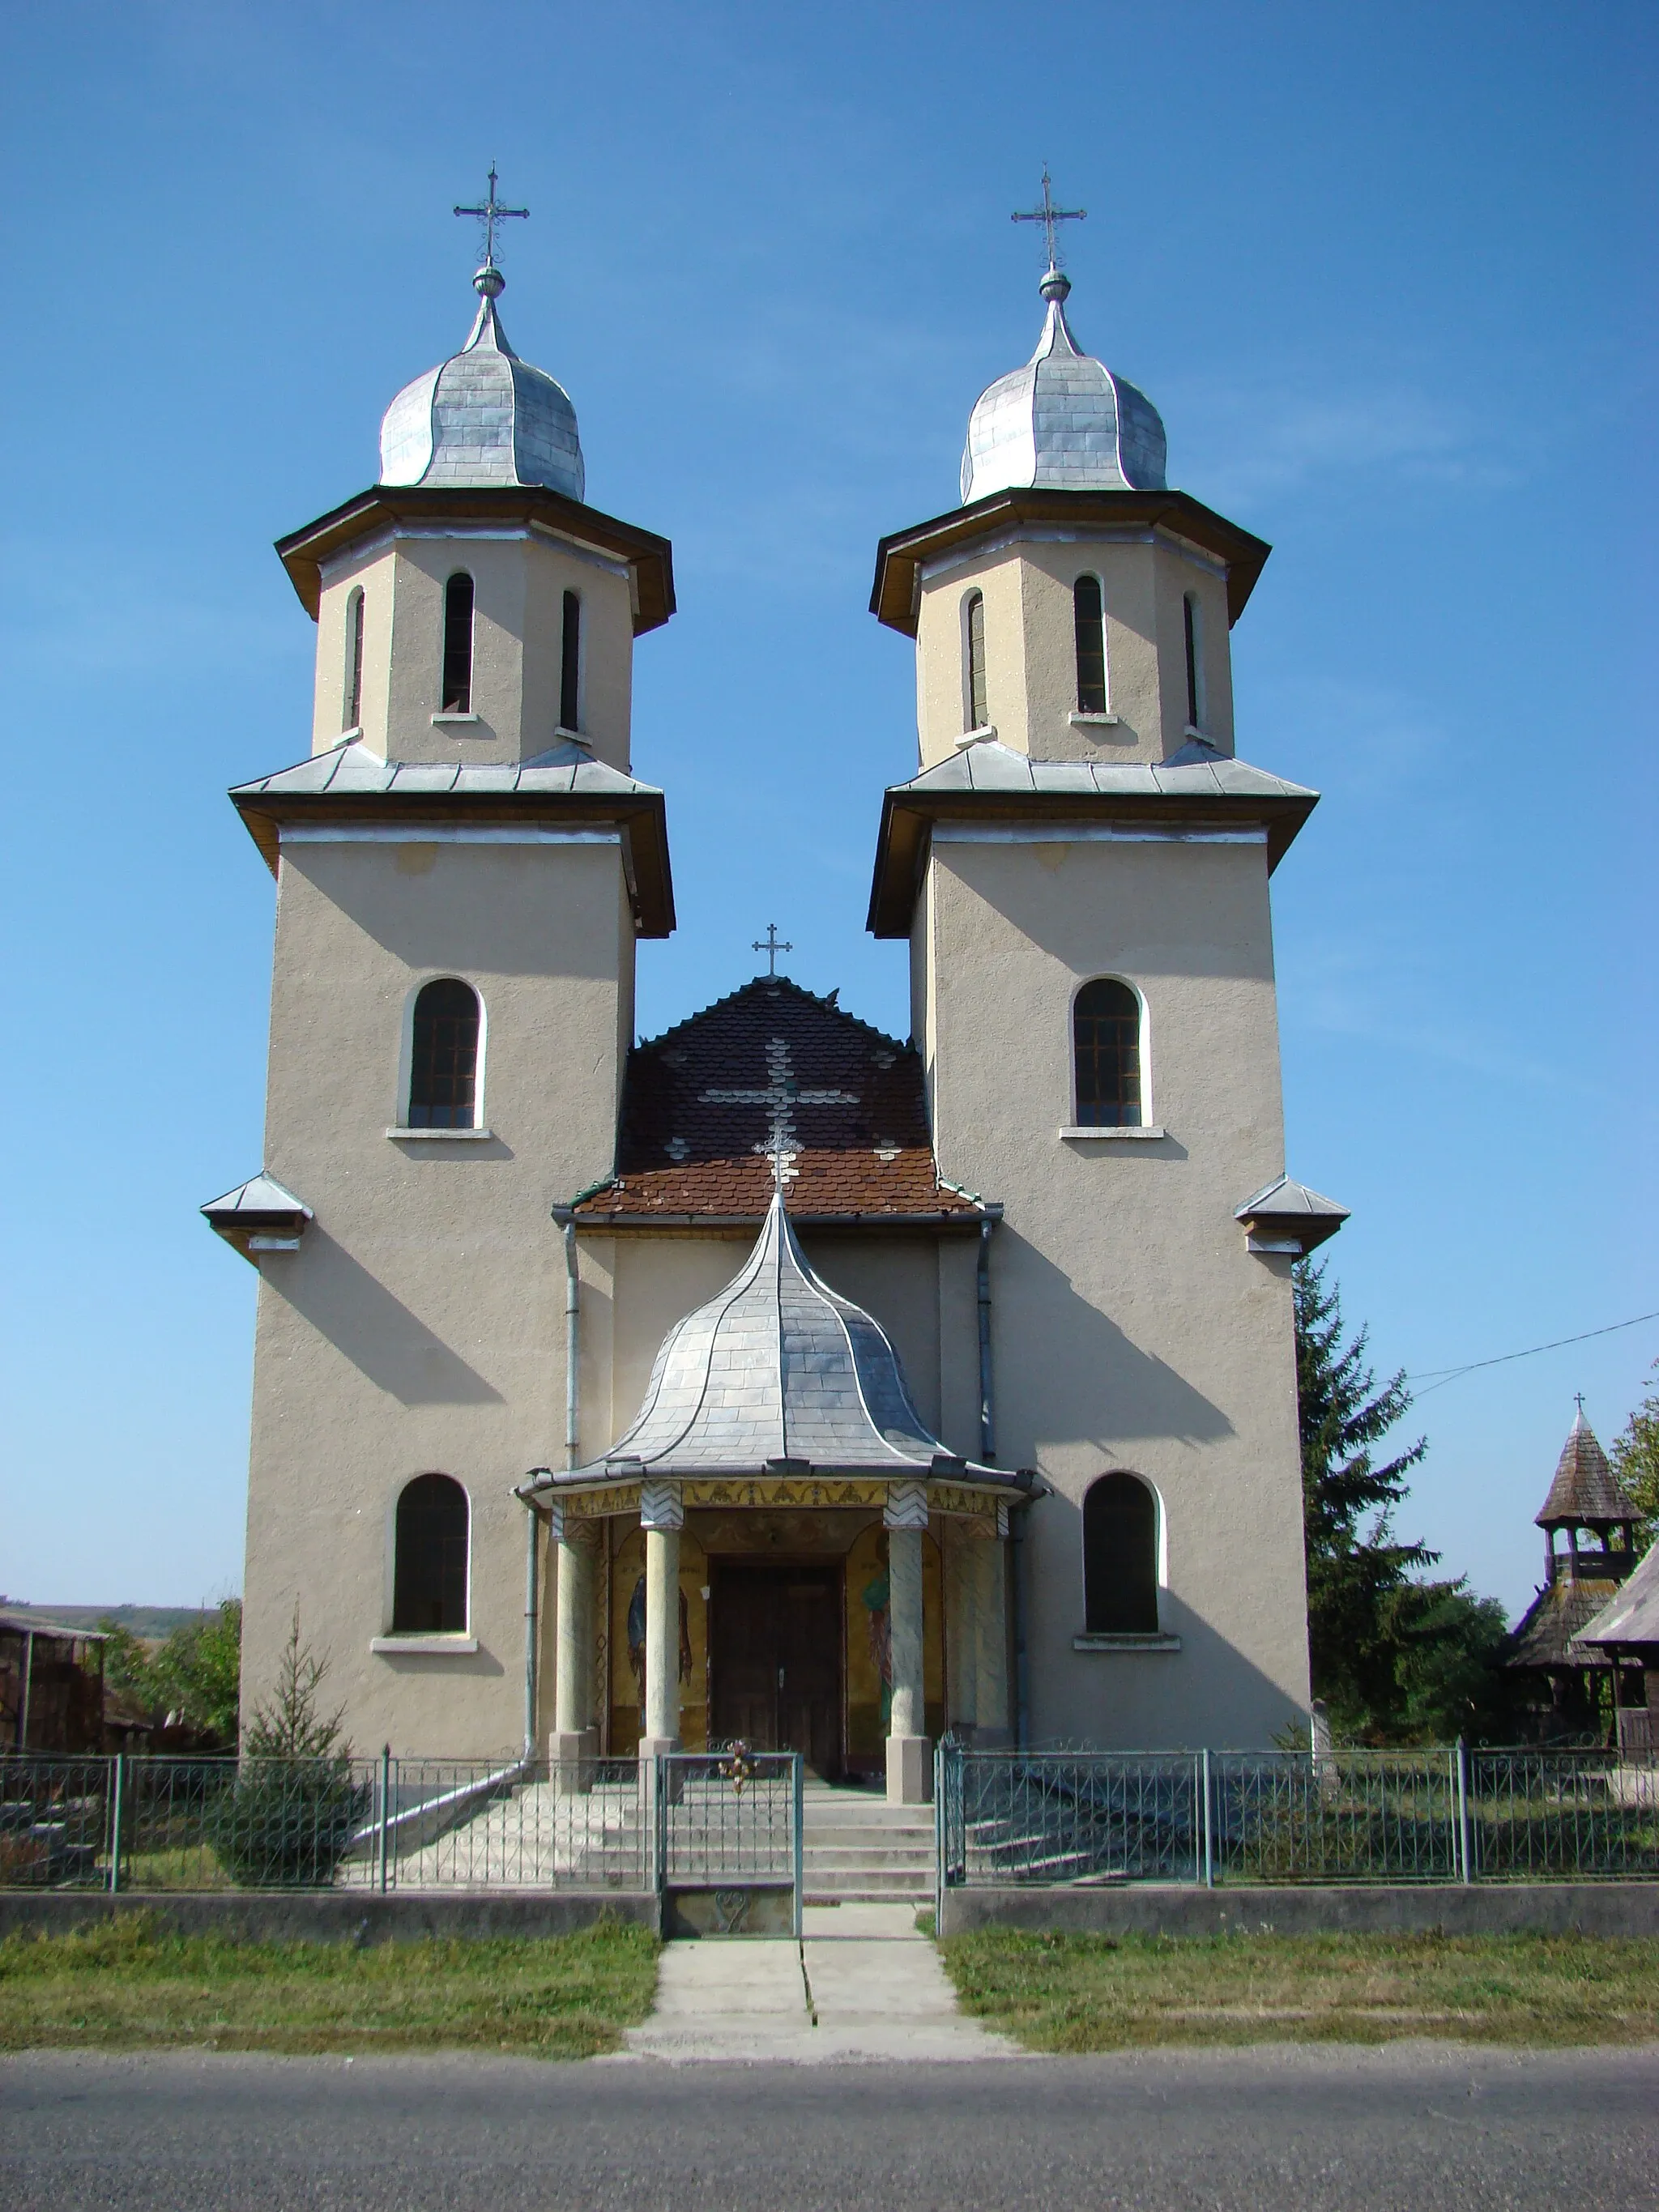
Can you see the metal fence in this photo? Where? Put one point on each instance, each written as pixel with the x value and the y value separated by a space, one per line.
pixel 1455 1815
pixel 721 1822
pixel 382 1824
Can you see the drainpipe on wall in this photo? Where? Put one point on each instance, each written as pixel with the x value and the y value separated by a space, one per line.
pixel 565 1216
pixel 987 1419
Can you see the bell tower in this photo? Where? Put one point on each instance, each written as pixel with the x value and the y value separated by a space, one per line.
pixel 464 864
pixel 1081 868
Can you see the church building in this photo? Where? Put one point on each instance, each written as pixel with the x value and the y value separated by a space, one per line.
pixel 774 1378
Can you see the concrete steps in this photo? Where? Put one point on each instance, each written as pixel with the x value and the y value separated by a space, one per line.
pixel 857 1847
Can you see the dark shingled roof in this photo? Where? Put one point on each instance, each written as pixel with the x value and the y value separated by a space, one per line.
pixel 1585 1489
pixel 1546 1630
pixel 853 1111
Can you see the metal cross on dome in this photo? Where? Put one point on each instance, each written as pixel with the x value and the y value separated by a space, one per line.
pixel 490 214
pixel 771 945
pixel 1049 215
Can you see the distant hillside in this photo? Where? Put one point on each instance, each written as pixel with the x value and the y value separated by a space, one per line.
pixel 152 1622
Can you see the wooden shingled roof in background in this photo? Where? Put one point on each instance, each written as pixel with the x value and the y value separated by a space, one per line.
pixel 702 1101
pixel 1585 1490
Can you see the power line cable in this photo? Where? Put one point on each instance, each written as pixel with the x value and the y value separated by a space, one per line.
pixel 1445 1375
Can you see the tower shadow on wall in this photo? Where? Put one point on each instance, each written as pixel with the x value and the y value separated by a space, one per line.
pixel 376 1332
pixel 1092 1380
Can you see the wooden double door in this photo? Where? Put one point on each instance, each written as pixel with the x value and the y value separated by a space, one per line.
pixel 774 1637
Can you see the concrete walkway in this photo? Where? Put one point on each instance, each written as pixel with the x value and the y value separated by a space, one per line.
pixel 861 1984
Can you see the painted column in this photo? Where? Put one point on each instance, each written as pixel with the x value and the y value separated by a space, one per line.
pixel 962 1626
pixel 573 1735
pixel 662 1516
pixel 994 1730
pixel 908 1747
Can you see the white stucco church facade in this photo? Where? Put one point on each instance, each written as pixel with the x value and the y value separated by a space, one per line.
pixel 775 1378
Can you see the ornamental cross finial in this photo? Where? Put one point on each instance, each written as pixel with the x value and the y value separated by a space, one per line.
pixel 490 214
pixel 1049 215
pixel 771 945
pixel 1578 1400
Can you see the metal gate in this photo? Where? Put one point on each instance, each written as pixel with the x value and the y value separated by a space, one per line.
pixel 727 1829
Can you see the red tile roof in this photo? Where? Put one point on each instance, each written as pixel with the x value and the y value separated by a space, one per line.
pixel 850 1100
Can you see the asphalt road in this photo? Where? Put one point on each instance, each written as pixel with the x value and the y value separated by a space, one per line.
pixel 1274 2129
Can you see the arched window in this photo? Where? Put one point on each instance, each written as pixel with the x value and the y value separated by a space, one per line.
pixel 978 713
pixel 571 664
pixel 1195 662
pixel 1120 1557
pixel 443 1063
pixel 428 1578
pixel 1106 1054
pixel 354 666
pixel 1089 624
pixel 458 644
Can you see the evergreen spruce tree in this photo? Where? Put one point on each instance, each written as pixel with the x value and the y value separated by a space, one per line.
pixel 1354 1565
pixel 1396 1657
pixel 288 1819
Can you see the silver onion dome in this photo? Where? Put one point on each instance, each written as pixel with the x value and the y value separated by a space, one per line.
pixel 1063 421
pixel 777 1367
pixel 484 416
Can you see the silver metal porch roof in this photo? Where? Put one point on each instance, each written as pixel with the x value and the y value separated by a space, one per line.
pixel 778 1374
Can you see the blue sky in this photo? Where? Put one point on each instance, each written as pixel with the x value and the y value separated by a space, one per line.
pixel 1381 268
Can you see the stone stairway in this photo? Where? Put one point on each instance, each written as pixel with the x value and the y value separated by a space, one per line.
pixel 856 1846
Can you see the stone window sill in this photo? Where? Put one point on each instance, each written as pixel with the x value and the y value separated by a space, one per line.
pixel 985 736
pixel 1110 1644
pixel 1142 1132
pixel 348 737
pixel 441 1136
pixel 443 721
pixel 1094 721
pixel 423 1647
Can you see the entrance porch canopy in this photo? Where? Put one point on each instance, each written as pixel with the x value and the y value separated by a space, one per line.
pixel 778 1391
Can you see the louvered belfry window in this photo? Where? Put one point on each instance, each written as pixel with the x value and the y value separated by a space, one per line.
pixel 1106 1047
pixel 457 645
pixel 1089 624
pixel 428 1596
pixel 443 1075
pixel 1120 1557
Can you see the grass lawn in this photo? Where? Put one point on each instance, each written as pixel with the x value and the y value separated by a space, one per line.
pixel 127 1984
pixel 1107 1993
